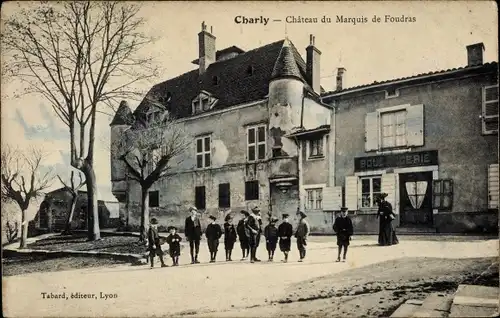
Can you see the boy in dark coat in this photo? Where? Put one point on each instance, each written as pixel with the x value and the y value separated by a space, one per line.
pixel 229 236
pixel 271 235
pixel 213 234
pixel 192 231
pixel 344 229
pixel 301 234
pixel 242 230
pixel 285 232
pixel 174 243
pixel 154 244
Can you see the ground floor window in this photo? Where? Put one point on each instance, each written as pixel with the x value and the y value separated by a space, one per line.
pixel 370 190
pixel 224 195
pixel 442 197
pixel 314 199
pixel 154 199
pixel 252 190
pixel 199 199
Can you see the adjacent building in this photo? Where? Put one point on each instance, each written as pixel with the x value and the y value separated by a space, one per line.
pixel 430 141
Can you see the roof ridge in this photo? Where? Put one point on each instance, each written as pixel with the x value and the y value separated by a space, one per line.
pixel 410 77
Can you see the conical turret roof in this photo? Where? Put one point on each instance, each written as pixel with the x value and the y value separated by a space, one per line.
pixel 123 115
pixel 286 65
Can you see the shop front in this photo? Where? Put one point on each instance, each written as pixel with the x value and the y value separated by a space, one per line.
pixel 408 179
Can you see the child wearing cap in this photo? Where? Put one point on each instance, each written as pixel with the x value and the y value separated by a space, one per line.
pixel 285 232
pixel 344 229
pixel 174 243
pixel 271 235
pixel 301 234
pixel 154 245
pixel 229 236
pixel 213 234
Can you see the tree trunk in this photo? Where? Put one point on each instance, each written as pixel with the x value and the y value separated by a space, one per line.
pixel 67 229
pixel 144 212
pixel 94 232
pixel 24 229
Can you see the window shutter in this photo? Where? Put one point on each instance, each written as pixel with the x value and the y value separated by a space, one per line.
pixel 332 198
pixel 389 187
pixel 415 125
pixel 493 187
pixel 371 131
pixel 490 110
pixel 351 193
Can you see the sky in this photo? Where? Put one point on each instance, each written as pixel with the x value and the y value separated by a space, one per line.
pixel 436 40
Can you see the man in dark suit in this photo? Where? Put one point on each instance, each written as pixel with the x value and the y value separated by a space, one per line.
pixel 254 225
pixel 192 231
pixel 154 244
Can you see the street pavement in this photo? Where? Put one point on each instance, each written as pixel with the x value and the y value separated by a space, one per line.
pixel 189 289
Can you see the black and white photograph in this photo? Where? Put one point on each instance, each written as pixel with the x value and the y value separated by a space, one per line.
pixel 249 159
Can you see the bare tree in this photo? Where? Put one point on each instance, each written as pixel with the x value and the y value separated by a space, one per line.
pixel 73 189
pixel 80 56
pixel 150 149
pixel 23 180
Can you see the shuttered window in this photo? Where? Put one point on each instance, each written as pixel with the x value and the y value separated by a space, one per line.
pixel 332 198
pixel 442 197
pixel 493 187
pixel 154 199
pixel 490 110
pixel 370 190
pixel 199 199
pixel 256 143
pixel 394 127
pixel 224 195
pixel 252 190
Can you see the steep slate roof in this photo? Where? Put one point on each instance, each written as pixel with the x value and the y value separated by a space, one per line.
pixel 285 65
pixel 235 86
pixel 423 77
pixel 123 115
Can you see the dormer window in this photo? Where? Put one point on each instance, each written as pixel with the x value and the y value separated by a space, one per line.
pixel 215 80
pixel 203 102
pixel 250 70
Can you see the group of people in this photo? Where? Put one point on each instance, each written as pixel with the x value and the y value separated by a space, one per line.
pixel 250 229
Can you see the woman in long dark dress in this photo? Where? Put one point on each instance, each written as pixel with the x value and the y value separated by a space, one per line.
pixel 387 235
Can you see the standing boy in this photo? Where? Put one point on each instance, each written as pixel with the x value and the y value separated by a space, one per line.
pixel 174 243
pixel 271 235
pixel 243 235
pixel 301 234
pixel 154 245
pixel 229 236
pixel 285 232
pixel 213 234
pixel 192 230
pixel 343 228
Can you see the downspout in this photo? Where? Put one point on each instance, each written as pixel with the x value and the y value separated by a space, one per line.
pixel 299 157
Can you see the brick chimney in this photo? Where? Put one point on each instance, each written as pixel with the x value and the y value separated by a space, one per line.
pixel 475 54
pixel 313 65
pixel 340 78
pixel 206 48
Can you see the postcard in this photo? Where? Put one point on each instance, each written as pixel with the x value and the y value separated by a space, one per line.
pixel 250 159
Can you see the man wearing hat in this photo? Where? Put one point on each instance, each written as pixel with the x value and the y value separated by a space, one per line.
pixel 301 234
pixel 254 225
pixel 213 234
pixel 344 229
pixel 244 234
pixel 154 244
pixel 192 231
pixel 229 236
pixel 285 232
